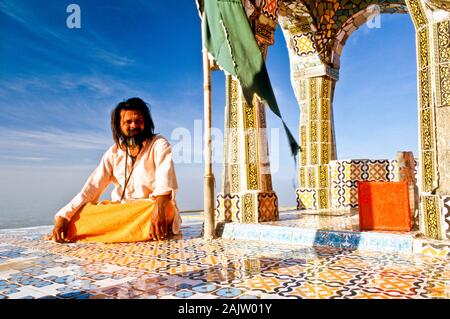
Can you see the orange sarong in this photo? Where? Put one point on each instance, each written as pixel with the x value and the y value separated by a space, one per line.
pixel 109 222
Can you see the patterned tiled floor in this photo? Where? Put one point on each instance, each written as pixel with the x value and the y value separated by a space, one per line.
pixel 188 267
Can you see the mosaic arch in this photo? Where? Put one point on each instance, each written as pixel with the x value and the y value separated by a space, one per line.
pixel 326 25
pixel 316 32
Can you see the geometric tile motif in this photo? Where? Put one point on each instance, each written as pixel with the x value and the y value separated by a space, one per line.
pixel 337 176
pixel 417 12
pixel 392 171
pixel 399 289
pixel 436 250
pixel 189 268
pixel 323 176
pixel 294 270
pixel 442 33
pixel 345 175
pixel 306 198
pixel 366 294
pixel 263 284
pixel 432 217
pixel 353 171
pixel 428 169
pixel 437 289
pixel 314 156
pixel 378 170
pixel 350 195
pixel 313 291
pixel 445 213
pixel 249 213
pixel 393 174
pixel 323 198
pixel 267 207
pixel 353 198
pixel 270 9
pixel 302 176
pixel 228 208
pixel 335 276
pixel 312 176
pixel 303 44
pixel 336 172
pixel 394 283
pixel 337 200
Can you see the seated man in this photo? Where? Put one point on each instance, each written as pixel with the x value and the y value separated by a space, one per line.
pixel 143 201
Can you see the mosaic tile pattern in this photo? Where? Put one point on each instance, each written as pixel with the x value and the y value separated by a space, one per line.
pixel 445 208
pixel 246 208
pixel 336 228
pixel 346 173
pixel 267 207
pixel 228 208
pixel 307 198
pixel 333 21
pixel 187 267
pixel 342 177
pixel 429 247
pixel 435 216
pixel 316 237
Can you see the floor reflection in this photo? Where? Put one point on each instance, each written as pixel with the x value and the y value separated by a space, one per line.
pixel 188 267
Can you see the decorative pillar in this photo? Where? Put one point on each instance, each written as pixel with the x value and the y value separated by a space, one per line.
pixel 313 82
pixel 247 195
pixel 317 141
pixel 432 22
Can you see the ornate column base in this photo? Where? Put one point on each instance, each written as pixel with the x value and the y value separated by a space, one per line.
pixel 249 207
pixel 314 190
pixel 313 198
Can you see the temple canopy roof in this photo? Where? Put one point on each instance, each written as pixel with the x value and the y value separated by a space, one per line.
pixel 329 23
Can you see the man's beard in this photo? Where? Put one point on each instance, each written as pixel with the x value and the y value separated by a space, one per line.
pixel 133 138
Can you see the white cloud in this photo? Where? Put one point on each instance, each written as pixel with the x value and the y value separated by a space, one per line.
pixel 25 158
pixel 103 85
pixel 30 140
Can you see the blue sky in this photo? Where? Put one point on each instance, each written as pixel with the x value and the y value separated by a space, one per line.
pixel 58 86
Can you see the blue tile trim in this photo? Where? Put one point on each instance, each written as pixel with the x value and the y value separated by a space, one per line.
pixel 310 237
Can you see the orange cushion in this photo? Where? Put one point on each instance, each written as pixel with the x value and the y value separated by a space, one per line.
pixel 109 222
pixel 384 206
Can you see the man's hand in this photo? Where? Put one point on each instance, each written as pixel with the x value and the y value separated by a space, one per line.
pixel 158 228
pixel 60 230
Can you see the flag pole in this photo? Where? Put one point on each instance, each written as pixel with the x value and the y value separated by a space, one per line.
pixel 208 179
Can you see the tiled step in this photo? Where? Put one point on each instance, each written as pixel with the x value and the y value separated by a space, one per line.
pixel 403 243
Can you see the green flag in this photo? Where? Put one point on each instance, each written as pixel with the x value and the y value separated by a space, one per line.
pixel 230 40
